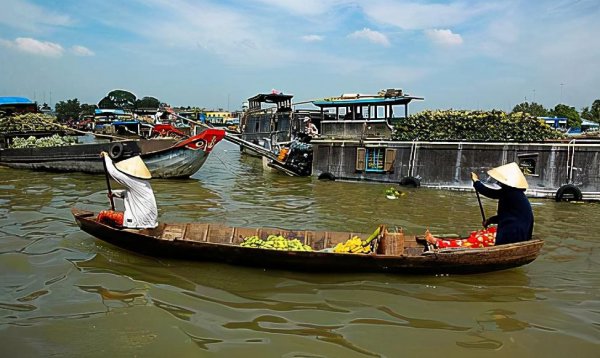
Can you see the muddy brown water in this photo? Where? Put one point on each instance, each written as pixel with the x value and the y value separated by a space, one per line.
pixel 65 293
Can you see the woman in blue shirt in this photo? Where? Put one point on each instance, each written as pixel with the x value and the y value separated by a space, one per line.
pixel 514 217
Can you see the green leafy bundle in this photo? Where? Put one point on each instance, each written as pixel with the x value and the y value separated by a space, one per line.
pixel 462 125
pixel 33 142
pixel 27 122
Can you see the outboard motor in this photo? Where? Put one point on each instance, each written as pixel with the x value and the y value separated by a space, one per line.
pixel 299 158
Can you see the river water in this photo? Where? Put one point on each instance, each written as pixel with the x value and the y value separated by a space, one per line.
pixel 65 293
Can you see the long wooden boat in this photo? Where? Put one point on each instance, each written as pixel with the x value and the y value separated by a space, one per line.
pixel 394 252
pixel 165 158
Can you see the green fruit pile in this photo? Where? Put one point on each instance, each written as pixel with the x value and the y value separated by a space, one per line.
pixel 275 242
pixel 33 142
pixel 27 122
pixel 462 125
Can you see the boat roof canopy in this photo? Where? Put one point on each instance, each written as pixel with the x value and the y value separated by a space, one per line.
pixel 14 100
pixel 270 97
pixel 280 99
pixel 364 100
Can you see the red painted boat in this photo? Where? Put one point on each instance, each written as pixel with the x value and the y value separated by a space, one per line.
pixel 165 158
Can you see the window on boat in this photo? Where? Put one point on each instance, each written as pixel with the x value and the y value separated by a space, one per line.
pixel 375 160
pixel 528 163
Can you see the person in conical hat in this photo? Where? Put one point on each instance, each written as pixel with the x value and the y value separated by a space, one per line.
pixel 141 211
pixel 515 216
pixel 134 167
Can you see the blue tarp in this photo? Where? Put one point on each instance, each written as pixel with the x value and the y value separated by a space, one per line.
pixel 14 100
pixel 98 111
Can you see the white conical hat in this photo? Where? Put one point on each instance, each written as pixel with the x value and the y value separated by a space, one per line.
pixel 509 174
pixel 135 167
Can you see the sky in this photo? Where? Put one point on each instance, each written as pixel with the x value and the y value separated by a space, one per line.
pixel 217 53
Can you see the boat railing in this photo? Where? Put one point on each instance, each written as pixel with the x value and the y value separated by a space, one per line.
pixel 363 129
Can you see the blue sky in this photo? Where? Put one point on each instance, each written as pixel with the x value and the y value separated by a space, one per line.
pixel 457 54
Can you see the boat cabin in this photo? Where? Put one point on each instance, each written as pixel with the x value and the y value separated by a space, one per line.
pixel 363 116
pixel 11 127
pixel 118 121
pixel 17 105
pixel 587 127
pixel 276 122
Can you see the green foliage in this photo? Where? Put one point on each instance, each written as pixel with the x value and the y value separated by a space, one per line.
pixel 534 109
pixel 27 122
pixel 473 126
pixel 87 109
pixel 592 114
pixel 33 142
pixel 122 99
pixel 72 109
pixel 147 102
pixel 69 109
pixel 570 113
pixel 107 103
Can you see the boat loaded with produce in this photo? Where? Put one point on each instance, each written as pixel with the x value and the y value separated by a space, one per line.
pixel 384 250
pixel 37 141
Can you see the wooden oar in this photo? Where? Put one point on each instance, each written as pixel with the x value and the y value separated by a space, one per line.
pixel 110 196
pixel 481 209
pixel 474 178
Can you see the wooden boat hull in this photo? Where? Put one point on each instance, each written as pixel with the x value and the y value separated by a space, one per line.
pixel 206 242
pixel 164 158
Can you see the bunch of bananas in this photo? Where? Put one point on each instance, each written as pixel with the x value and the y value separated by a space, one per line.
pixel 275 242
pixel 354 246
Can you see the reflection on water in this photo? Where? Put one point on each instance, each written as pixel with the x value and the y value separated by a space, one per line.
pixel 58 282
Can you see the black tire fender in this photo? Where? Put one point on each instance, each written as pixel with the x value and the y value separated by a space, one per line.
pixel 568 192
pixel 115 151
pixel 326 176
pixel 410 181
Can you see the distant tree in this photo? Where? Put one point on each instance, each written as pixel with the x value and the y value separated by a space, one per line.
pixel 87 109
pixel 107 103
pixel 120 99
pixel 66 110
pixel 570 113
pixel 147 102
pixel 592 114
pixel 534 109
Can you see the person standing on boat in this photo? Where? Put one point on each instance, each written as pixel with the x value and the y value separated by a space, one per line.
pixel 140 205
pixel 514 218
pixel 310 128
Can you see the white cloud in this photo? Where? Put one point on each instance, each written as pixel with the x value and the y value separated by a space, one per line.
pixel 212 27
pixel 24 15
pixel 417 16
pixel 444 37
pixel 36 47
pixel 370 35
pixel 304 7
pixel 312 38
pixel 82 51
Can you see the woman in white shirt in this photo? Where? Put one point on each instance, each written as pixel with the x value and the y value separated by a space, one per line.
pixel 141 211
